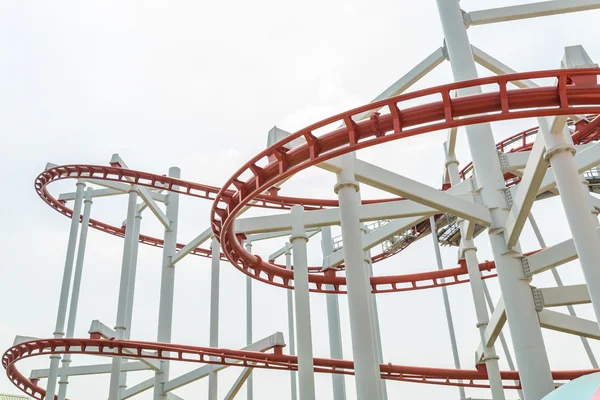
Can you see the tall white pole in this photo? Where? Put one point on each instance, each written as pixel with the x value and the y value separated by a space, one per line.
pixel 120 326
pixel 306 374
pixel 532 359
pixel 366 365
pixel 375 312
pixel 66 361
pixel 64 289
pixel 167 285
pixel 560 154
pixel 291 330
pixel 214 312
pixel 133 272
pixel 449 321
pixel 249 381
pixel 131 290
pixel 333 321
pixel 476 283
pixel 557 278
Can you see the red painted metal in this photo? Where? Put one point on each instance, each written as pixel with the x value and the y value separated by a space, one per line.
pixel 564 99
pixel 240 358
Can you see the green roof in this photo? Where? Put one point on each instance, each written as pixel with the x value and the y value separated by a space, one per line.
pixel 12 397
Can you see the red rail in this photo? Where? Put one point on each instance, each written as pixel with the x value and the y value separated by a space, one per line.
pixel 563 99
pixel 207 355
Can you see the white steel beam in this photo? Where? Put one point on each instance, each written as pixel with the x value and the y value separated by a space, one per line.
pixel 94 369
pixel 331 216
pixel 532 10
pixel 188 248
pixel 306 373
pixel 526 192
pixel 283 249
pixel 585 160
pixel 409 79
pixel 495 66
pixel 565 295
pixel 239 382
pixel 272 235
pixel 373 212
pixel 262 345
pixel 139 388
pixel 366 361
pixel 552 256
pixel 493 328
pixel 95 193
pixel 497 321
pixel 450 144
pixel 144 193
pixel 565 323
pixel 399 185
pixel 376 237
pixel 107 333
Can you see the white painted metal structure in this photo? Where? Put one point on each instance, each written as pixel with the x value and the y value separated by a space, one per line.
pixel 553 165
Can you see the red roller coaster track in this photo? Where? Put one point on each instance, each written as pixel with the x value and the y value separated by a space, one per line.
pixel 571 95
pixel 208 355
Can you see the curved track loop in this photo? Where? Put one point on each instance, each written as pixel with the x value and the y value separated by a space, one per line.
pixel 207 355
pixel 397 283
pixel 154 181
pixel 570 95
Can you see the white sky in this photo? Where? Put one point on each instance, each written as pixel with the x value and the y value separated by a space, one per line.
pixel 198 85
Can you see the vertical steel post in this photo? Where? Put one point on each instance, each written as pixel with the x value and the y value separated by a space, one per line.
pixel 131 290
pixel 557 278
pixel 249 382
pixel 367 369
pixel 438 257
pixel 373 304
pixel 133 272
pixel 214 312
pixel 66 361
pixel 120 326
pixel 476 283
pixel 532 359
pixel 167 284
pixel 560 154
pixel 65 288
pixel 291 330
pixel 306 374
pixel 333 321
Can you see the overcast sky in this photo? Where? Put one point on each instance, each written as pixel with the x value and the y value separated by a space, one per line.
pixel 198 85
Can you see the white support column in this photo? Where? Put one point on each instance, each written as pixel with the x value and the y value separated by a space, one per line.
pixel 167 285
pixel 64 289
pixel 489 353
pixel 66 361
pixel 131 290
pixel 214 313
pixel 291 330
pixel 438 256
pixel 373 304
pixel 559 283
pixel 249 382
pixel 367 369
pixel 306 374
pixel 577 208
pixel 333 321
pixel 120 326
pixel 476 283
pixel 532 359
pixel 505 349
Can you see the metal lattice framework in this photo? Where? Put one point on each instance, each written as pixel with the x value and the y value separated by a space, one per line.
pixel 494 194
